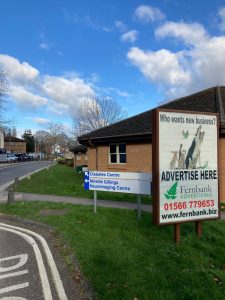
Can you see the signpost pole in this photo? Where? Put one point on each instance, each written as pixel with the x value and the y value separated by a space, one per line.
pixel 95 201
pixel 198 228
pixel 177 233
pixel 139 207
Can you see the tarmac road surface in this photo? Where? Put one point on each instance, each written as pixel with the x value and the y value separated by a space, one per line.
pixel 8 172
pixel 31 265
pixel 31 268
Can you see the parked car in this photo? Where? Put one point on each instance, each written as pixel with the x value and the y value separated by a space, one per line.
pixel 33 156
pixel 11 157
pixel 30 157
pixel 21 157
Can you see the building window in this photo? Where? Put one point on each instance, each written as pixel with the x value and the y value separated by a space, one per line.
pixel 117 154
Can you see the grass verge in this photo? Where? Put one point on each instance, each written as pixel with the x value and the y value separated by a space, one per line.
pixel 129 259
pixel 64 181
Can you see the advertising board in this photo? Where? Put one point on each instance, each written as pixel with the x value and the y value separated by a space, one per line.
pixel 185 166
pixel 122 182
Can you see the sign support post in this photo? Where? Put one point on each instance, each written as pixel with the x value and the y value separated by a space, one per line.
pixel 95 201
pixel 139 207
pixel 198 228
pixel 177 233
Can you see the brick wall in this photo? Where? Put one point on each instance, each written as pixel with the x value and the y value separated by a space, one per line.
pixel 15 147
pixel 139 159
pixel 80 159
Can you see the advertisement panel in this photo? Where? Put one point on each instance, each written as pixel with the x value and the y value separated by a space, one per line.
pixel 186 167
pixel 123 182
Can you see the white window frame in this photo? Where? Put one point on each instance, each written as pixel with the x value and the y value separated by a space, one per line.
pixel 117 154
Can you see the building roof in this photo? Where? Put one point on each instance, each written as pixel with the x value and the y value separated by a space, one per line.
pixel 13 139
pixel 138 127
pixel 79 148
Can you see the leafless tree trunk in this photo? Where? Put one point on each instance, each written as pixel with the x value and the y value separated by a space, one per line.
pixel 3 91
pixel 95 113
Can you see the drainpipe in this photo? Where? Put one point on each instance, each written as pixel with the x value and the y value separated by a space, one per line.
pixel 220 107
pixel 96 158
pixel 96 153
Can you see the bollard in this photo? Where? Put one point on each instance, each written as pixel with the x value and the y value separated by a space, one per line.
pixel 11 195
pixel 139 207
pixel 28 176
pixel 16 180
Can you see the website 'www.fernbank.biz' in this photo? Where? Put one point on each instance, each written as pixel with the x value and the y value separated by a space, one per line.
pixel 192 213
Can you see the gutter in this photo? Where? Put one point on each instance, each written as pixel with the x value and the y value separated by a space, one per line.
pixel 220 107
pixel 91 140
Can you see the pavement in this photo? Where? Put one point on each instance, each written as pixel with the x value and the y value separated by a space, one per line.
pixel 4 165
pixel 73 200
pixel 82 201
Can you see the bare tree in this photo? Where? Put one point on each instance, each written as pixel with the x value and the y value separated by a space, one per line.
pixel 14 131
pixel 3 91
pixel 48 140
pixel 56 131
pixel 42 141
pixel 95 113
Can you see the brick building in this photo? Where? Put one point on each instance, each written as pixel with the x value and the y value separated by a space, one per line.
pixel 80 156
pixel 126 146
pixel 14 144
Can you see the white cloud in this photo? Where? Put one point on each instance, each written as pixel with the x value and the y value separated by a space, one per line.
pixel 148 14
pixel 190 34
pixel 207 63
pixel 39 120
pixel 200 64
pixel 129 36
pixel 162 66
pixel 69 92
pixel 121 26
pixel 44 46
pixel 31 90
pixel 25 98
pixel 117 91
pixel 95 78
pixel 59 108
pixel 221 14
pixel 17 71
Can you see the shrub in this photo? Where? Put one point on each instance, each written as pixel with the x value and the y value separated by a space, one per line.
pixel 61 160
pixel 69 162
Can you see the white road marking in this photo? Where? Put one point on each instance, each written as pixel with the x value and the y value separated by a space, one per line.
pixel 41 268
pixel 14 287
pixel 13 298
pixel 13 274
pixel 55 274
pixel 23 259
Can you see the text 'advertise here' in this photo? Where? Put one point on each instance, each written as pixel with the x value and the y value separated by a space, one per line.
pixel 123 182
pixel 185 171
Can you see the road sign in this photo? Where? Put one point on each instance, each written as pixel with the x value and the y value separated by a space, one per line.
pixel 123 182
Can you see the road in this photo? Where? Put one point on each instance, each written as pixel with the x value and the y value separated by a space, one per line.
pixel 9 172
pixel 28 268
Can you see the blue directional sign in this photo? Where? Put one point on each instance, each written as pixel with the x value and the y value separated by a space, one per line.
pixel 86 180
pixel 122 182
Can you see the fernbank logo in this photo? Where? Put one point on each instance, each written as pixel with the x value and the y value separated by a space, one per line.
pixel 172 192
pixel 196 191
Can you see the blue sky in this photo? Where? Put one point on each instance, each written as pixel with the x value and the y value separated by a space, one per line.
pixel 57 53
